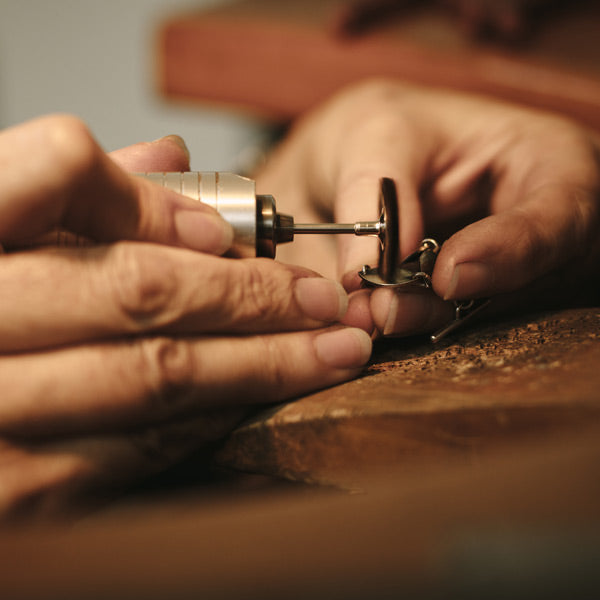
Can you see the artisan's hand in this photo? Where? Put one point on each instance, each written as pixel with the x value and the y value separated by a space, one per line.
pixel 120 357
pixel 515 193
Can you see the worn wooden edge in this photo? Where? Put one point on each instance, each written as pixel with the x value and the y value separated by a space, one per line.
pixel 455 531
pixel 358 449
pixel 527 377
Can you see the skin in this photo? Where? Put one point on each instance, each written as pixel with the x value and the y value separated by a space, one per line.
pixel 513 194
pixel 121 356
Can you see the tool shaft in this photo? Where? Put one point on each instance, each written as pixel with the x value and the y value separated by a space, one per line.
pixel 369 228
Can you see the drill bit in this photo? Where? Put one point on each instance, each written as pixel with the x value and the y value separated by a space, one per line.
pixel 366 228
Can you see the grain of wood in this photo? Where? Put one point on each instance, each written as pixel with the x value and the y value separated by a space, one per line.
pixel 526 377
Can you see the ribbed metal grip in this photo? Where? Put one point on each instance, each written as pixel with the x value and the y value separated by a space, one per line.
pixel 233 196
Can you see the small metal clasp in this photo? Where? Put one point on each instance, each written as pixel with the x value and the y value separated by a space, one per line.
pixel 413 272
pixel 463 311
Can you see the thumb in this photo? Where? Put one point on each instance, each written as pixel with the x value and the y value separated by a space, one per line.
pixel 58 177
pixel 506 251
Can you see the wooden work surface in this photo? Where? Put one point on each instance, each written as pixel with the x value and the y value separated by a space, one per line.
pixel 520 518
pixel 416 403
pixel 280 58
pixel 520 524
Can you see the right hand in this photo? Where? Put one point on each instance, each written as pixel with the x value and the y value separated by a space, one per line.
pixel 119 358
pixel 513 194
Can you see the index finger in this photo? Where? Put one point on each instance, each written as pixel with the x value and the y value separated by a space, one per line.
pixel 55 175
pixel 350 162
pixel 64 296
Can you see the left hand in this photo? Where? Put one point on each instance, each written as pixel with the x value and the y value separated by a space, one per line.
pixel 122 357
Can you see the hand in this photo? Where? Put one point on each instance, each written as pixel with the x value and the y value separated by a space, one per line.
pixel 123 356
pixel 514 192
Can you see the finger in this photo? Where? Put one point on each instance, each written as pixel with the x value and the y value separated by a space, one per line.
pixel 407 313
pixel 49 478
pixel 166 154
pixel 359 311
pixel 163 155
pixel 150 380
pixel 350 162
pixel 70 183
pixel 70 296
pixel 506 251
pixel 358 198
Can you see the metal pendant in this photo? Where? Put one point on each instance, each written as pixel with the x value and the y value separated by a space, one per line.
pixel 416 269
pixel 413 272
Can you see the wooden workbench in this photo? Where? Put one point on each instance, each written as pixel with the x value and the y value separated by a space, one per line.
pixel 477 459
pixel 496 384
pixel 531 376
pixel 278 59
pixel 477 463
pixel 522 523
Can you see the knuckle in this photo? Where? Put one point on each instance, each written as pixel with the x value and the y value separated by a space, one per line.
pixel 376 89
pixel 275 370
pixel 143 282
pixel 262 292
pixel 168 366
pixel 71 145
pixel 532 244
pixel 388 96
pixel 539 248
pixel 546 245
pixel 257 293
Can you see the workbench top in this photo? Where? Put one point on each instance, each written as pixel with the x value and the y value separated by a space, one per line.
pixel 498 383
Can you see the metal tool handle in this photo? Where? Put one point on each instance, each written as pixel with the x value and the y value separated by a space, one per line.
pixel 258 227
pixel 234 197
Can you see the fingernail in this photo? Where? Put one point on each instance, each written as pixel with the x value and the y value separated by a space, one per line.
pixel 202 231
pixel 347 348
pixel 469 279
pixel 351 280
pixel 392 315
pixel 321 299
pixel 178 140
pixel 359 311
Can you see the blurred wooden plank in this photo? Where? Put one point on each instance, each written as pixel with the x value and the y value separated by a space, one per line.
pixel 280 58
pixel 522 524
pixel 420 403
